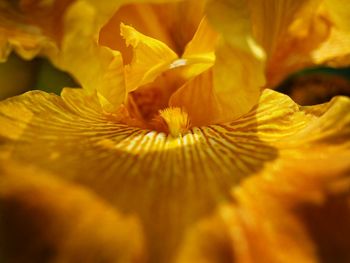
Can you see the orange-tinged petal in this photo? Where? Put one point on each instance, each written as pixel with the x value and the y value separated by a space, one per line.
pixel 238 71
pixel 171 22
pixel 151 58
pixel 66 32
pixel 224 92
pixel 172 183
pixel 295 51
pixel 198 94
pixel 199 54
pixel 16 34
pixel 203 43
pixel 301 212
pixel 102 68
pixel 300 34
pixel 298 204
pixel 271 19
pixel 45 15
pixel 78 225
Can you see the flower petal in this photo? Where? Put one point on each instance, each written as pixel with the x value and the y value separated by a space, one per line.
pixel 151 57
pixel 78 224
pixel 335 51
pixel 171 22
pixel 339 12
pixel 298 204
pixel 16 34
pixel 238 71
pixel 202 43
pixel 299 34
pixel 169 183
pixel 271 19
pixel 102 69
pixel 301 212
pixel 65 31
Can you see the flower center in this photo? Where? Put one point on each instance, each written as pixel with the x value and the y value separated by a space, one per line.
pixel 149 104
pixel 161 93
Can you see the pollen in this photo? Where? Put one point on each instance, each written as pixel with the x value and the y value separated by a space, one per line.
pixel 176 119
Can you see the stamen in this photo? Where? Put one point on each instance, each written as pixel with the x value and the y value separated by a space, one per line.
pixel 176 119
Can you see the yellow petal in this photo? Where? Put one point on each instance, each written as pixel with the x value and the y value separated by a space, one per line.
pixel 335 51
pixel 171 22
pixel 66 32
pixel 271 19
pixel 203 42
pixel 198 94
pixel 199 53
pixel 151 57
pixel 46 15
pixel 171 183
pixel 16 34
pixel 95 67
pixel 63 222
pixel 298 204
pixel 300 34
pixel 340 13
pixel 238 71
pixel 301 212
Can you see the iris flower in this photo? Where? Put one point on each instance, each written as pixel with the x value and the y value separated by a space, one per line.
pixel 174 149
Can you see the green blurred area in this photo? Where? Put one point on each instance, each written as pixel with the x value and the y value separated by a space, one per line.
pixel 18 76
pixel 316 85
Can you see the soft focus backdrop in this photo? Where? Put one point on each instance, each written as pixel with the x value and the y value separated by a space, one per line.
pixel 18 76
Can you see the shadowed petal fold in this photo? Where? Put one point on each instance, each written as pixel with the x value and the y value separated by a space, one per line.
pixel 238 71
pixel 63 221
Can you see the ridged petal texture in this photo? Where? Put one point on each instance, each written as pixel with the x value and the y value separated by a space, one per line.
pixel 76 184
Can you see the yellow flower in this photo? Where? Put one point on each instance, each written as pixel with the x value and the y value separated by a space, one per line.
pixel 172 152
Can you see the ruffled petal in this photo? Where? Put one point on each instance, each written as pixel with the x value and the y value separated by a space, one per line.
pixel 301 211
pixel 16 34
pixel 171 183
pixel 102 70
pixel 300 34
pixel 65 31
pixel 171 22
pixel 151 58
pixel 298 204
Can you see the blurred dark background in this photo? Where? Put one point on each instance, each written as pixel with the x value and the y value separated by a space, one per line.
pixel 316 85
pixel 18 76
